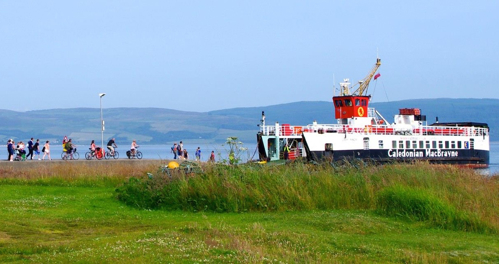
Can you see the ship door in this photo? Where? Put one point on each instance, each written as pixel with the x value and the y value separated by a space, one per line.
pixel 272 147
pixel 328 151
pixel 472 147
pixel 366 153
pixel 366 143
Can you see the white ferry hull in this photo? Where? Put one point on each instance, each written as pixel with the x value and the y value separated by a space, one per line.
pixel 470 151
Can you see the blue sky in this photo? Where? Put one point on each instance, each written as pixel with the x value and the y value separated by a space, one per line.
pixel 210 55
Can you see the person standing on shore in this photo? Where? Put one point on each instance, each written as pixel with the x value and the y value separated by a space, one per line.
pixel 10 149
pixel 212 156
pixel 198 154
pixel 174 150
pixel 180 150
pixel 46 150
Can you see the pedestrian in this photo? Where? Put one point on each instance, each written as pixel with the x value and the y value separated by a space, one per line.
pixel 198 154
pixel 46 150
pixel 10 149
pixel 174 150
pixel 186 155
pixel 30 149
pixel 36 148
pixel 180 150
pixel 212 156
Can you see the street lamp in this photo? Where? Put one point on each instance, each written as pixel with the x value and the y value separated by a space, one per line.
pixel 101 122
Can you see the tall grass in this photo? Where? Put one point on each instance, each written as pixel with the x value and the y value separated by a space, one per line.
pixel 56 173
pixel 447 197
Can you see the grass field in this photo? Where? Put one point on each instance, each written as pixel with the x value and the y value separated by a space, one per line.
pixel 56 216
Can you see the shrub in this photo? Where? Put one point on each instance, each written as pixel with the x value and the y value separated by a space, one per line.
pixel 421 205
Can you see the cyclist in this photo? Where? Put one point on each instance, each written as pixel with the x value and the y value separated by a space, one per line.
pixel 111 145
pixel 92 147
pixel 69 148
pixel 133 147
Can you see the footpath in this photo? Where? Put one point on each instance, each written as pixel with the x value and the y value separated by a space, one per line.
pixel 59 162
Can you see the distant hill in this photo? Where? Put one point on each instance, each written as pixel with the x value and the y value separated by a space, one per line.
pixel 164 126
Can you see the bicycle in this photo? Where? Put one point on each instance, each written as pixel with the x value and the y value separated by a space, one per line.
pixel 94 154
pixel 74 155
pixel 137 154
pixel 116 154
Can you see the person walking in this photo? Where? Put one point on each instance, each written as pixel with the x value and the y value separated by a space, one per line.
pixel 36 148
pixel 186 155
pixel 174 150
pixel 46 150
pixel 30 149
pixel 212 156
pixel 198 154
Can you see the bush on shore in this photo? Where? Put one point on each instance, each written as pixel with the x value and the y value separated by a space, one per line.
pixel 443 196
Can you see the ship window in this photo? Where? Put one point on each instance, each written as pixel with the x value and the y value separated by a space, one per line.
pixel 348 102
pixel 453 144
pixel 414 144
pixel 364 102
pixel 421 144
pixel 357 102
pixel 427 144
pixel 446 144
pixel 394 144
pixel 408 144
pixel 434 144
pixel 380 144
pixel 339 103
pixel 401 144
pixel 459 145
pixel 440 144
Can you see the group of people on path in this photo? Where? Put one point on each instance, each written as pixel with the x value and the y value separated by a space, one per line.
pixel 32 151
pixel 18 151
pixel 179 152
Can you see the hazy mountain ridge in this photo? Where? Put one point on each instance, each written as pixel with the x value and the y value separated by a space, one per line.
pixel 162 126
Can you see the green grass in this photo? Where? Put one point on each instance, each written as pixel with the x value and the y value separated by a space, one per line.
pixel 442 196
pixel 67 219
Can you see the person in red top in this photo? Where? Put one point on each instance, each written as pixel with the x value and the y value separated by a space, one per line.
pixel 212 156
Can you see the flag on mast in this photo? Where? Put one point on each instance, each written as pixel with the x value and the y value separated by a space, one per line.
pixel 377 76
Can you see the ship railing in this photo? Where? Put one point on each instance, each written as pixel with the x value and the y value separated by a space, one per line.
pixel 284 130
pixel 288 130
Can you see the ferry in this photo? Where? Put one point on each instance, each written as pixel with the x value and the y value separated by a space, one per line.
pixel 362 133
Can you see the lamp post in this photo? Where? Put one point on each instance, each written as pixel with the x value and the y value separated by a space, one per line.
pixel 101 123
